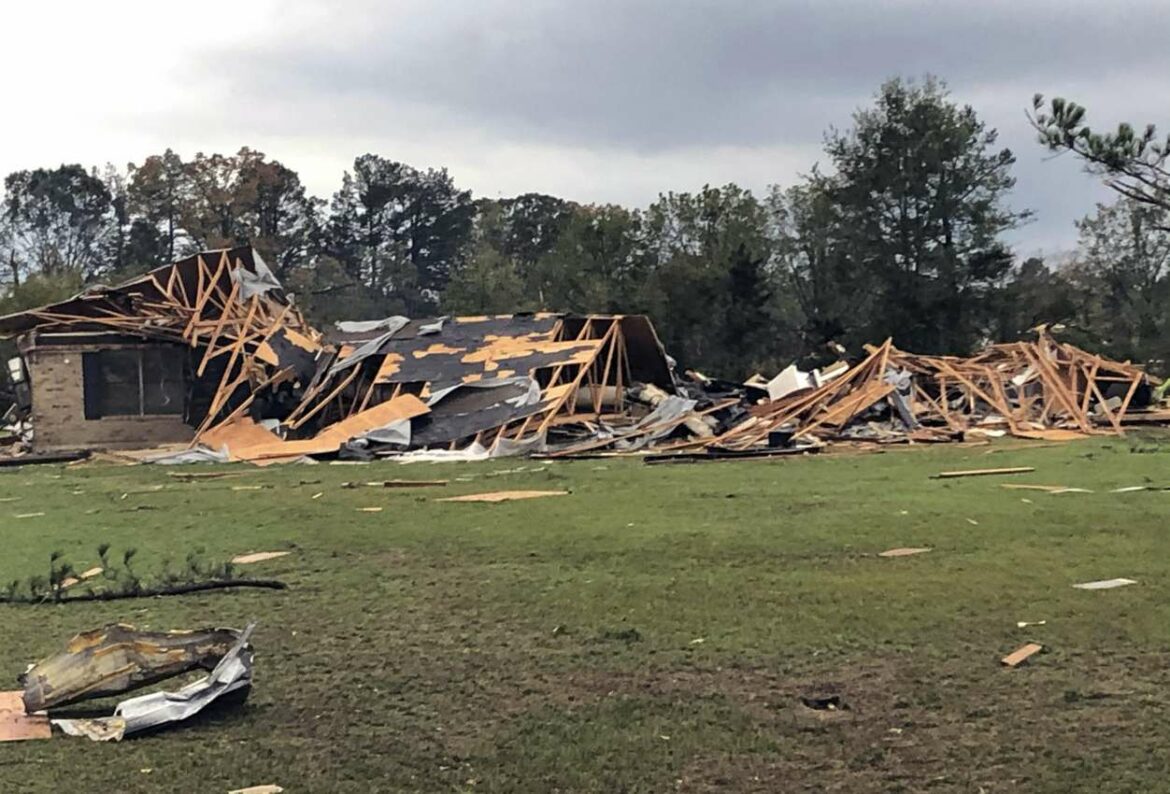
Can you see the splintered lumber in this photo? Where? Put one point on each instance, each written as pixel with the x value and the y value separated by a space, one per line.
pixel 943 475
pixel 1021 655
pixel 501 496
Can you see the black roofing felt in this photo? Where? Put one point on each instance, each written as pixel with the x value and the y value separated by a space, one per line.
pixel 431 429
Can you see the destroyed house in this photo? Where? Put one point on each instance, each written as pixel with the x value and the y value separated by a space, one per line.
pixel 210 352
pixel 143 363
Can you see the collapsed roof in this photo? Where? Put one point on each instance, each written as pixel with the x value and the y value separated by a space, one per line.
pixel 267 386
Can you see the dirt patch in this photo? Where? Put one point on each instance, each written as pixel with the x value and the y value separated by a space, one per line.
pixel 962 725
pixel 904 724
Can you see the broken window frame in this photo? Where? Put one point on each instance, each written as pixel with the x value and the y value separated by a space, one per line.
pixel 95 383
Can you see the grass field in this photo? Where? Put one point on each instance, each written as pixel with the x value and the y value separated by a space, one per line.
pixel 652 631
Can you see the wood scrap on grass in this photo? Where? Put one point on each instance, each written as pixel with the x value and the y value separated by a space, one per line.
pixel 1104 584
pixel 258 556
pixel 903 552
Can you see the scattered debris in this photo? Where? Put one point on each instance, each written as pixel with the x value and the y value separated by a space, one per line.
pixel 1104 584
pixel 258 556
pixel 906 552
pixel 265 789
pixel 28 515
pixel 1023 624
pixel 1021 655
pixel 369 510
pixel 1070 490
pixel 501 496
pixel 942 475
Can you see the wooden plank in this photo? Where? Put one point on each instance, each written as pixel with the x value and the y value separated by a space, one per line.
pixel 217 330
pixel 206 291
pixel 1018 657
pixel 983 472
pixel 322 403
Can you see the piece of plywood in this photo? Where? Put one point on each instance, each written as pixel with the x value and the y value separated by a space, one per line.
pixel 248 441
pixel 1021 655
pixel 16 725
pixel 903 552
pixel 238 434
pixel 501 496
pixel 258 556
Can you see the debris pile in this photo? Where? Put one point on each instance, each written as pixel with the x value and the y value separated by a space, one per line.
pixel 1043 389
pixel 208 359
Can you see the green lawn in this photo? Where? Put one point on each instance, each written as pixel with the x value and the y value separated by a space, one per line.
pixel 654 630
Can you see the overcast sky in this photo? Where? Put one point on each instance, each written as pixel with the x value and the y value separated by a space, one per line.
pixel 592 100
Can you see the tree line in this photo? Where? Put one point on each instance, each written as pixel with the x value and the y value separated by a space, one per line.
pixel 901 234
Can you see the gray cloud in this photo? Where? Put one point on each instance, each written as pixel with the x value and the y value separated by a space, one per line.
pixel 671 88
pixel 647 75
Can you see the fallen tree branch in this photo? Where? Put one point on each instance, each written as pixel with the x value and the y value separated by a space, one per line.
pixel 179 589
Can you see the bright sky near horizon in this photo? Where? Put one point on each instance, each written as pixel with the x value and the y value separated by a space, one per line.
pixel 593 100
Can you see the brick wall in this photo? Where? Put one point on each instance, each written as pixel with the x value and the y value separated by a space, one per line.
pixel 58 409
